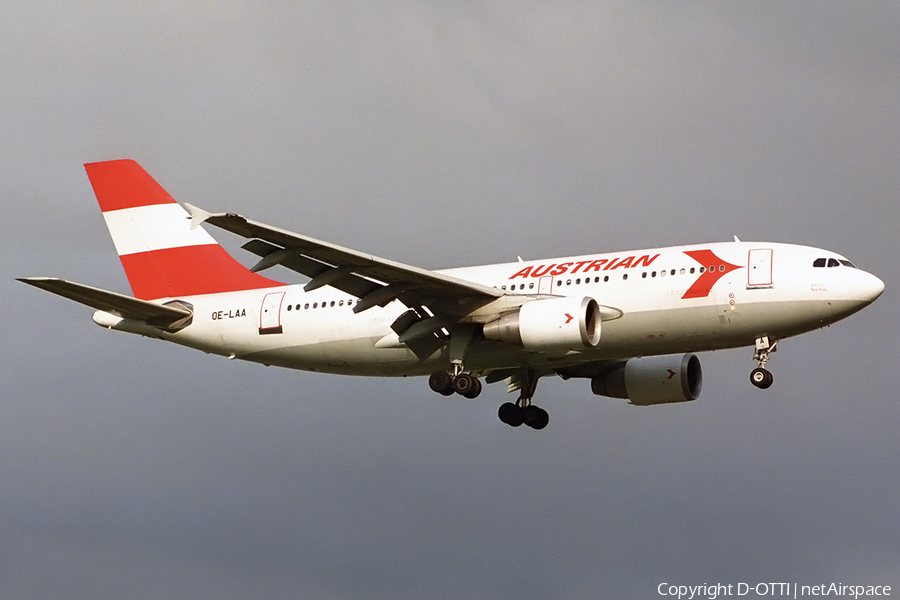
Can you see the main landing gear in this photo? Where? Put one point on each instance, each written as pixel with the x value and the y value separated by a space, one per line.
pixel 523 412
pixel 447 384
pixel 456 381
pixel 516 414
pixel 760 376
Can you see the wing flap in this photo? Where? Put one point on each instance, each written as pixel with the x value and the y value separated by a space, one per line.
pixel 111 302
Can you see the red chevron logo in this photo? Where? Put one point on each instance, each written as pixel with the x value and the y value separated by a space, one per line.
pixel 568 318
pixel 716 268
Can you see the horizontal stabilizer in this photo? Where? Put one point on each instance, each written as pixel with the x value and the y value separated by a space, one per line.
pixel 111 302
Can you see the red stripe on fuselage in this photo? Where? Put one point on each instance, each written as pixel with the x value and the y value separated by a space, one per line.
pixel 122 184
pixel 189 271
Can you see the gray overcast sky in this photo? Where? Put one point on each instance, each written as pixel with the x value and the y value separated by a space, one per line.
pixel 445 134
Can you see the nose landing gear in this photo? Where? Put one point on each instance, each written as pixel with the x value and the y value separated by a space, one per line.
pixel 760 376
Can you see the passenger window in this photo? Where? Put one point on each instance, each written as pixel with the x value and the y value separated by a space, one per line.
pixel 692 270
pixel 662 273
pixel 653 274
pixel 673 272
pixel 531 286
pixel 606 278
pixel 306 306
pixel 681 272
pixel 315 304
pixel 625 276
pixel 341 303
pixel 832 262
pixel 578 281
pixel 568 282
pixel 701 270
pixel 559 283
pixel 819 262
pixel 349 302
pixel 644 274
pixel 290 306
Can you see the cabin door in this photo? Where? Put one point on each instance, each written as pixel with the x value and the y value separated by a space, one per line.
pixel 759 268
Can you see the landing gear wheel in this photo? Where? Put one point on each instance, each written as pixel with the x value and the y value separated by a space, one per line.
pixel 761 378
pixel 464 384
pixel 541 418
pixel 440 382
pixel 533 416
pixel 474 390
pixel 510 414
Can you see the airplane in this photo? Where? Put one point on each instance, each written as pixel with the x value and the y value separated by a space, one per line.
pixel 630 322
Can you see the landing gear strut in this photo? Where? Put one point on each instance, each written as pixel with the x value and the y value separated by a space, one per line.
pixel 523 411
pixel 760 376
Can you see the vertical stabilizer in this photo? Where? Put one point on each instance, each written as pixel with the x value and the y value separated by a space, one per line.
pixel 162 255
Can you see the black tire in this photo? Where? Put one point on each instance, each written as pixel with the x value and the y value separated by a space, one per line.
pixel 440 382
pixel 475 390
pixel 761 378
pixel 543 419
pixel 531 416
pixel 510 414
pixel 464 384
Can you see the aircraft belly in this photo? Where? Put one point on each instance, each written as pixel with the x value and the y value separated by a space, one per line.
pixel 348 346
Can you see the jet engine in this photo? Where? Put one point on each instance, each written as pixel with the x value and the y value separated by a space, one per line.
pixel 570 323
pixel 652 380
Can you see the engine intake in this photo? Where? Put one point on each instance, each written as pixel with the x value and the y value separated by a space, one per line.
pixel 652 380
pixel 570 323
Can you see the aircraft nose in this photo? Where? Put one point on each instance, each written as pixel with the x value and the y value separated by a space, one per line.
pixel 870 288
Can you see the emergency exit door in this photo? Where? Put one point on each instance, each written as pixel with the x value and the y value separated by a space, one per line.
pixel 545 285
pixel 270 313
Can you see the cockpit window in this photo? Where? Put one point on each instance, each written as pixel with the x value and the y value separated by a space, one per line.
pixel 833 262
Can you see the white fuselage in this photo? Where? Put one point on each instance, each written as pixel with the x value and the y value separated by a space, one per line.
pixel 654 302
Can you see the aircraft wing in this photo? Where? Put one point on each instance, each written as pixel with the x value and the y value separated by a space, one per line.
pixel 111 302
pixel 375 281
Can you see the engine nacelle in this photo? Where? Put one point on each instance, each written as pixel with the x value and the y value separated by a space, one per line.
pixel 570 323
pixel 652 380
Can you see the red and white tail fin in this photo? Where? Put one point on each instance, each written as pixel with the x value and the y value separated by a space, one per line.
pixel 163 257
